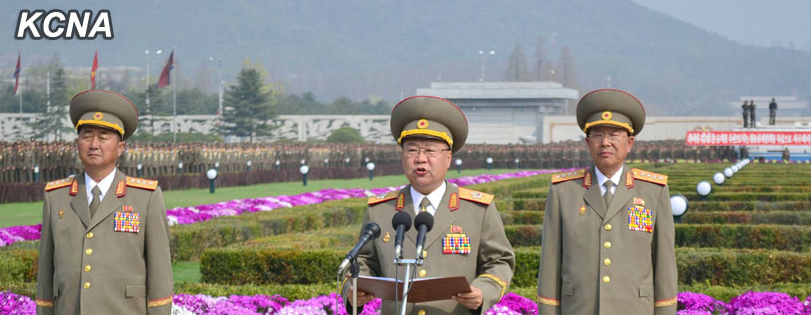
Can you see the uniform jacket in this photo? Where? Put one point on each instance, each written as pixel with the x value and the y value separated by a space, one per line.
pixel 618 259
pixel 118 262
pixel 462 213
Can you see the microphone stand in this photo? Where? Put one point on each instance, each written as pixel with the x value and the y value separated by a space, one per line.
pixel 407 281
pixel 354 270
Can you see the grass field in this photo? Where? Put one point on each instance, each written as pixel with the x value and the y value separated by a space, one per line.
pixel 28 213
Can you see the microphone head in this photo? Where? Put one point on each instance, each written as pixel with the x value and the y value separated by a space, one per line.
pixel 373 228
pixel 424 218
pixel 401 217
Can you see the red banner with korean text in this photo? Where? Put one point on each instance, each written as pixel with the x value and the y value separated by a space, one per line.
pixel 749 138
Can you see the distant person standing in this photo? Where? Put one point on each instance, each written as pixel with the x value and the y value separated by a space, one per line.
pixel 786 155
pixel 772 111
pixel 745 108
pixel 752 120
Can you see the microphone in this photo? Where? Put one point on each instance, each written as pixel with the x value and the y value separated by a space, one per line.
pixel 424 222
pixel 402 223
pixel 370 231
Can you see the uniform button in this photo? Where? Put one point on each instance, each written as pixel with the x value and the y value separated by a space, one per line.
pixel 607 261
pixel 607 244
pixel 424 253
pixel 421 312
pixel 89 234
pixel 87 268
pixel 606 279
pixel 608 226
pixel 423 273
pixel 87 285
pixel 89 251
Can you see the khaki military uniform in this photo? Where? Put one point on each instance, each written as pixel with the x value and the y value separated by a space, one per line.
pixel 116 262
pixel 615 259
pixel 488 266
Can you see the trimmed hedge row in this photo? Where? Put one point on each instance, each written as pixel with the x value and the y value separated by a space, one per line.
pixel 697 205
pixel 18 265
pixel 522 217
pixel 269 266
pixel 780 237
pixel 189 241
pixel 747 196
pixel 737 217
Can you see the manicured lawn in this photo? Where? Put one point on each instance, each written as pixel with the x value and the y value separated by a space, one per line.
pixel 28 213
pixel 186 271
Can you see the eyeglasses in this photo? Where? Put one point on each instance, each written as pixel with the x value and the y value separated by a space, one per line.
pixel 612 137
pixel 429 151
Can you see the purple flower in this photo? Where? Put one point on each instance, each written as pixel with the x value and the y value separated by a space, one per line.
pixel 13 304
pixel 514 304
pixel 699 302
pixel 765 303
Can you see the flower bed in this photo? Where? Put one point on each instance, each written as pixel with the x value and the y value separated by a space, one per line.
pixel 189 215
pixel 765 303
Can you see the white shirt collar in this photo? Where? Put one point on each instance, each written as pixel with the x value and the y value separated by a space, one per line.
pixel 104 185
pixel 601 178
pixel 435 197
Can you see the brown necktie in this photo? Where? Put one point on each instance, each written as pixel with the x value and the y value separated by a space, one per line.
pixel 608 194
pixel 94 205
pixel 424 204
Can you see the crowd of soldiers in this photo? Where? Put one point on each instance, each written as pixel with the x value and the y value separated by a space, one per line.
pixel 27 161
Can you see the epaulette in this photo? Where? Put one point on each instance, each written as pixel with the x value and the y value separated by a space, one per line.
pixel 382 197
pixel 147 184
pixel 649 176
pixel 567 176
pixel 65 182
pixel 475 196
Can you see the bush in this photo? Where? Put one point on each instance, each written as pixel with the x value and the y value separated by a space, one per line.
pixel 18 265
pixel 346 135
pixel 739 217
pixel 268 266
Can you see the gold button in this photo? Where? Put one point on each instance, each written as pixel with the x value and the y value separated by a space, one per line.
pixel 607 262
pixel 607 244
pixel 606 279
pixel 608 226
pixel 423 273
pixel 87 285
pixel 424 253
pixel 87 268
pixel 89 234
pixel 89 251
pixel 421 312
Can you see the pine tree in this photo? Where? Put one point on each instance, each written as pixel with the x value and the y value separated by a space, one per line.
pixel 566 70
pixel 51 122
pixel 247 107
pixel 517 66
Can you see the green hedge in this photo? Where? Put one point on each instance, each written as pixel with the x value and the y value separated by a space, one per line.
pixel 781 237
pixel 699 206
pixel 740 217
pixel 748 196
pixel 269 266
pixel 522 217
pixel 18 265
pixel 189 241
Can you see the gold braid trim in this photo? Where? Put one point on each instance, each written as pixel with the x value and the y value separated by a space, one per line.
pixel 498 281
pixel 161 302
pixel 664 303
pixel 548 301
pixel 102 123
pixel 625 126
pixel 45 303
pixel 427 132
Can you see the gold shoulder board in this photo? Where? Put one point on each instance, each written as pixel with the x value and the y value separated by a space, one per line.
pixel 383 197
pixel 475 196
pixel 147 184
pixel 65 182
pixel 567 176
pixel 649 176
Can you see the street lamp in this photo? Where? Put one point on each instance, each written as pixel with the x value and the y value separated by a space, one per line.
pixel 678 205
pixel 703 189
pixel 180 168
pixel 458 165
pixel 516 163
pixel 718 178
pixel 371 167
pixel 489 161
pixel 217 165
pixel 248 166
pixel 212 176
pixel 728 172
pixel 346 161
pixel 277 164
pixel 36 172
pixel 138 170
pixel 326 162
pixel 483 54
pixel 304 169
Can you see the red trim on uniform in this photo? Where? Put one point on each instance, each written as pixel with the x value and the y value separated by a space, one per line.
pixel 400 202
pixel 587 180
pixel 74 188
pixel 121 189
pixel 453 203
pixel 629 180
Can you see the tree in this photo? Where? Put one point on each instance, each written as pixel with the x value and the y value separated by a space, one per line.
pixel 51 121
pixel 346 135
pixel 517 66
pixel 565 69
pixel 247 107
pixel 540 59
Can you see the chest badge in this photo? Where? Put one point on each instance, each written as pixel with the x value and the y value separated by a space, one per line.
pixel 583 210
pixel 386 237
pixel 639 202
pixel 61 213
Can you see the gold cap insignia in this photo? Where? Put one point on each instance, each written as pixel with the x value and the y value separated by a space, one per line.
pixel 386 238
pixel 607 115
pixel 422 123
pixel 98 116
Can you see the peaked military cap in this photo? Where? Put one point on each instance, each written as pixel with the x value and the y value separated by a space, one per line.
pixel 611 107
pixel 429 117
pixel 104 109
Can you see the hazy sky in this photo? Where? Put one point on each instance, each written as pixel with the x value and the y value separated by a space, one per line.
pixel 758 22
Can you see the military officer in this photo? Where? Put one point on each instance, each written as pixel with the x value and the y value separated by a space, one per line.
pixel 608 234
pixel 467 238
pixel 105 238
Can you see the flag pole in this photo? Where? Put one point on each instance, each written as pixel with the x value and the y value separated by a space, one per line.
pixel 174 99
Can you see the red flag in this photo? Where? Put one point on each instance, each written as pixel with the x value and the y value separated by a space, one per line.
pixel 17 74
pixel 170 64
pixel 93 71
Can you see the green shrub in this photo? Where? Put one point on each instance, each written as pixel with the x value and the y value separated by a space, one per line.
pixel 268 266
pixel 740 217
pixel 18 265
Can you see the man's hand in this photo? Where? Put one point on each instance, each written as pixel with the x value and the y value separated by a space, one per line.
pixel 363 297
pixel 470 300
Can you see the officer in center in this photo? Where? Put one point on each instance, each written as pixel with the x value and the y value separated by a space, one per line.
pixel 608 234
pixel 468 236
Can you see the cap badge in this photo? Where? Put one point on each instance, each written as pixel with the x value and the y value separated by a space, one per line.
pixel 98 116
pixel 606 115
pixel 422 123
